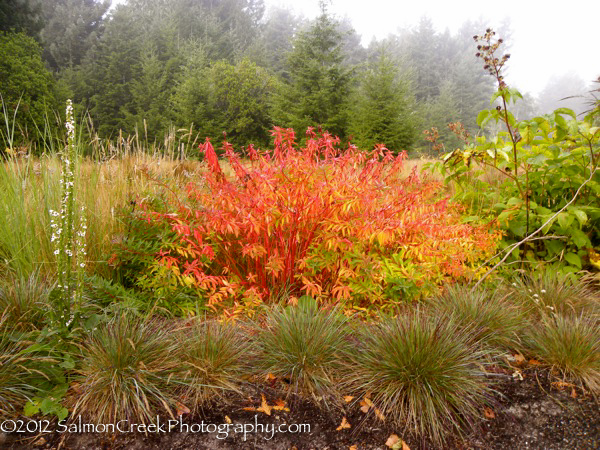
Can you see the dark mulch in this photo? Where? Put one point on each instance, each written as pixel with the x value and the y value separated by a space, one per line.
pixel 531 413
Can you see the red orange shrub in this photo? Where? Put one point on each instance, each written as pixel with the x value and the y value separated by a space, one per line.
pixel 333 223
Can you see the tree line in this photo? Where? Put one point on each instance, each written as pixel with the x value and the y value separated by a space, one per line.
pixel 215 67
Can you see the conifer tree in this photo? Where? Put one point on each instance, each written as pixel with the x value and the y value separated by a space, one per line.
pixel 318 83
pixel 383 110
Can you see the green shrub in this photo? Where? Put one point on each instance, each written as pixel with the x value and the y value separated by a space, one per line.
pixel 214 358
pixel 422 372
pixel 303 344
pixel 128 371
pixel 487 316
pixel 546 182
pixel 571 345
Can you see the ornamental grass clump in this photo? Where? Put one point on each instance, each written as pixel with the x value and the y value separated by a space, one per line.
pixel 24 301
pixel 550 293
pixel 128 371
pixel 487 316
pixel 421 372
pixel 571 346
pixel 302 346
pixel 214 359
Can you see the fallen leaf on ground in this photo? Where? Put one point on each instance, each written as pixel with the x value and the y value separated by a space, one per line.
pixel 353 447
pixel 379 415
pixel 348 398
pixel 182 409
pixel 519 359
pixel 280 405
pixel 343 425
pixel 573 393
pixel 562 385
pixel 227 419
pixel 365 404
pixel 489 413
pixel 264 406
pixel 270 377
pixel 534 362
pixel 392 440
pixel 395 443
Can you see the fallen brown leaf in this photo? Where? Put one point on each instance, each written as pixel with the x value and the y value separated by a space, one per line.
pixel 353 447
pixel 348 398
pixel 280 405
pixel 343 425
pixel 534 362
pixel 395 443
pixel 181 409
pixel 489 413
pixel 365 404
pixel 379 415
pixel 392 440
pixel 264 406
pixel 270 377
pixel 519 359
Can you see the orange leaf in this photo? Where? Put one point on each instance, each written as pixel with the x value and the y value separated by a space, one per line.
pixel 270 377
pixel 343 425
pixel 519 359
pixel 365 404
pixel 348 398
pixel 379 415
pixel 395 443
pixel 280 405
pixel 264 406
pixel 489 413
pixel 353 447
pixel 534 362
pixel 182 409
pixel 227 419
pixel 392 440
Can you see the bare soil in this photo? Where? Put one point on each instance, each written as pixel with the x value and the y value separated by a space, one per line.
pixel 533 413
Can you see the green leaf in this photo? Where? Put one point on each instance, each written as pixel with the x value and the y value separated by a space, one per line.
pixel 565 220
pixel 580 239
pixel 573 259
pixel 483 117
pixel 67 364
pixel 581 215
pixel 62 413
pixel 538 159
pixel 565 111
pixel 554 246
pixel 48 405
pixel 518 228
pixel 31 407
